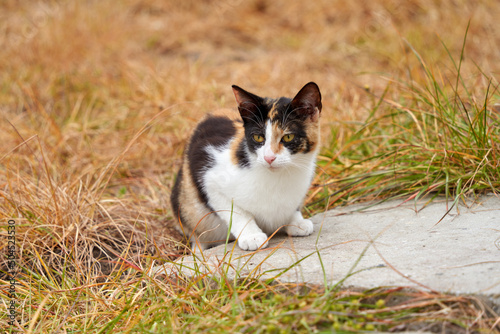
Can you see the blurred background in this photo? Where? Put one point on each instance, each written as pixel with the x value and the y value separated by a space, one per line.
pixel 103 63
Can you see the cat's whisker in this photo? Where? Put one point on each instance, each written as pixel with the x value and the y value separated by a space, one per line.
pixel 252 115
pixel 285 118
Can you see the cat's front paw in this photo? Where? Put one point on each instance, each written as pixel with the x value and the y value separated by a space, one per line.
pixel 252 242
pixel 300 228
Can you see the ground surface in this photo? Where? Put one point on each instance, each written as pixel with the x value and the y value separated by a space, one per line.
pixel 389 244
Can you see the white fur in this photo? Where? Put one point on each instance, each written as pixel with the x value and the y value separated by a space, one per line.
pixel 262 198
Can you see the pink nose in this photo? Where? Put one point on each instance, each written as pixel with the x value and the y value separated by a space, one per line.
pixel 270 158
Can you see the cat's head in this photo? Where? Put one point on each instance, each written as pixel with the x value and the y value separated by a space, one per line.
pixel 281 132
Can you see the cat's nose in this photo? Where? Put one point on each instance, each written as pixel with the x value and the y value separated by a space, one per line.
pixel 270 158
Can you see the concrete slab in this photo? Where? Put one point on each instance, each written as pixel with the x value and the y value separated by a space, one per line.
pixel 388 244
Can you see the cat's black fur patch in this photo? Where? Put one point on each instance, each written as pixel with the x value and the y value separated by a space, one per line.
pixel 252 129
pixel 242 156
pixel 214 131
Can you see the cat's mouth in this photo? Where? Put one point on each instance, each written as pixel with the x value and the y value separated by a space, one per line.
pixel 273 167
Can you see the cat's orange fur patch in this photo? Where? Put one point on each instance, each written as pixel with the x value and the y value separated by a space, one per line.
pixel 273 112
pixel 238 138
pixel 200 218
pixel 188 196
pixel 277 134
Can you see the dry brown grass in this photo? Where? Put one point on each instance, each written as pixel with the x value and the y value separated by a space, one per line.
pixel 98 97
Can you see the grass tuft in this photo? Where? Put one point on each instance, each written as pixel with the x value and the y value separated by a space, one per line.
pixel 433 138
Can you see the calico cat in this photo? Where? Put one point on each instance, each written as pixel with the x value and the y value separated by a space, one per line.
pixel 250 174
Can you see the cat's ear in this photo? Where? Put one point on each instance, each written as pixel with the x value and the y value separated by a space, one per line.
pixel 307 102
pixel 248 103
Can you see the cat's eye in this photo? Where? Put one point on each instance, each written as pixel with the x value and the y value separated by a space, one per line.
pixel 258 138
pixel 288 138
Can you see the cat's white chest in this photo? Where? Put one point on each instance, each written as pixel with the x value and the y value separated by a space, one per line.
pixel 270 196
